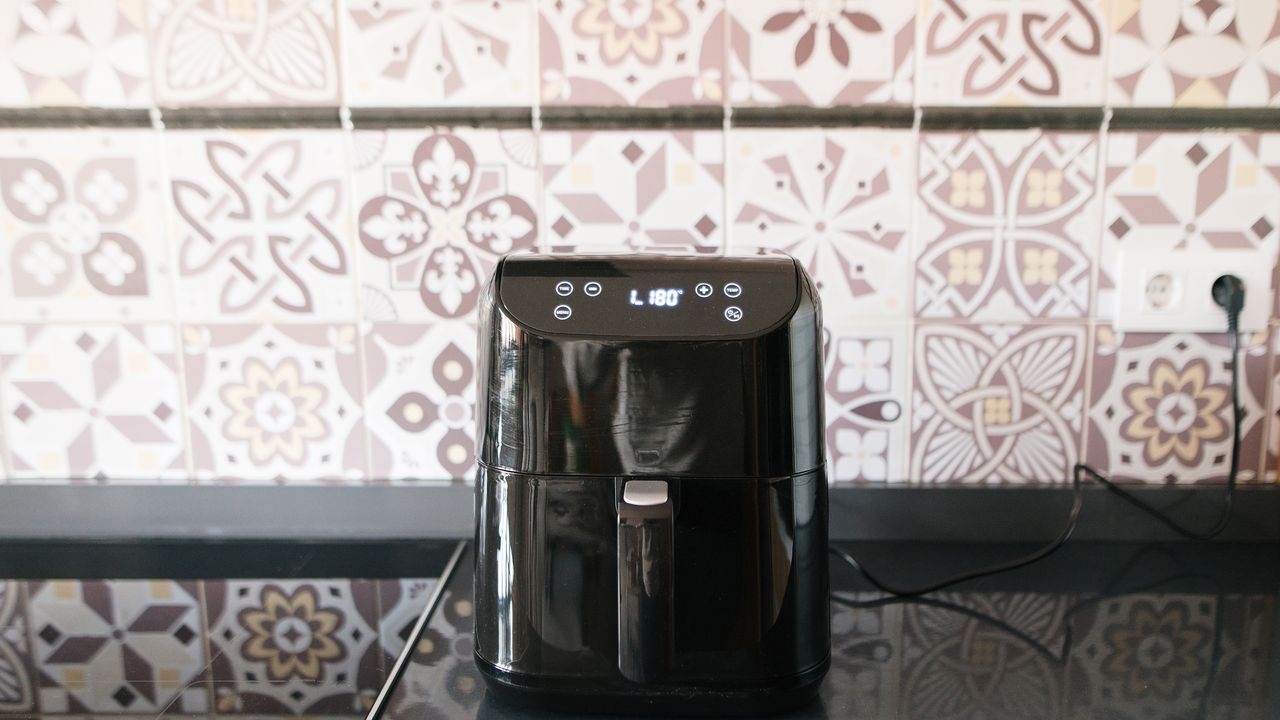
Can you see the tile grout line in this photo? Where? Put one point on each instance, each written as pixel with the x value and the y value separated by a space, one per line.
pixel 543 243
pixel 726 124
pixel 1095 280
pixel 357 267
pixel 913 250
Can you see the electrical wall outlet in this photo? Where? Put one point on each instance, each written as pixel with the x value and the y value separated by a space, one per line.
pixel 1171 290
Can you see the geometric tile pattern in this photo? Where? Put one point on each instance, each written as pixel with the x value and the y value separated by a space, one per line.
pixel 17 693
pixel 866 383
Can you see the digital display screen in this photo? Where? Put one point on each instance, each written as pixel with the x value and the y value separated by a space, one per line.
pixel 656 297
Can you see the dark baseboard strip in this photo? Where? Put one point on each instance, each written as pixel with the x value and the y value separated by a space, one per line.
pixel 629 118
pixel 495 117
pixel 1262 119
pixel 58 117
pixel 844 116
pixel 264 117
pixel 873 513
pixel 1011 118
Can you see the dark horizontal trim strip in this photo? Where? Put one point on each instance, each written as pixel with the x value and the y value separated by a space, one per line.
pixel 842 116
pixel 1011 118
pixel 630 118
pixel 999 514
pixel 495 117
pixel 58 117
pixel 1195 119
pixel 258 117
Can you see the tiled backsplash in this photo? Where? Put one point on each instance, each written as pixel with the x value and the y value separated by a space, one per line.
pixel 297 305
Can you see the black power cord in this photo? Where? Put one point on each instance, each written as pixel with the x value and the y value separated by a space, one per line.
pixel 1228 292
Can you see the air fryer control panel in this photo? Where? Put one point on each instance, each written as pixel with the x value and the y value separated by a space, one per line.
pixel 648 296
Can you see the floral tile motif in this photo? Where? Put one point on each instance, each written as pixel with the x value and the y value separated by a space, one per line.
pixel 435 212
pixel 131 646
pixel 275 403
pixel 74 53
pixel 261 225
pixel 17 695
pixel 1271 462
pixel 866 388
pixel 653 52
pixel 838 200
pixel 988 52
pixel 954 665
pixel 845 52
pixel 453 687
pixel 82 213
pixel 101 402
pixel 866 645
pixel 421 403
pixel 1144 656
pixel 455 52
pixel 997 403
pixel 1200 54
pixel 1209 190
pixel 401 601
pixel 639 190
pixel 295 648
pixel 267 52
pixel 1006 224
pixel 1160 409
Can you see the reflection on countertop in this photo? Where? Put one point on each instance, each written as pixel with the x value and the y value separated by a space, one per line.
pixel 1099 630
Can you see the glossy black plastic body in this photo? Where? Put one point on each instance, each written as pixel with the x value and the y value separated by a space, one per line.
pixel 716 604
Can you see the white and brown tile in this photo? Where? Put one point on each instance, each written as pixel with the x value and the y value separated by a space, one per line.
pixel 821 53
pixel 1160 409
pixel 1007 224
pixel 1035 52
pixel 275 403
pixel 634 190
pixel 401 602
pixel 445 53
pixel 453 688
pixel 118 647
pixel 867 377
pixel 664 52
pixel 1201 191
pixel 267 52
pixel 294 647
pixel 17 688
pixel 420 408
pixel 1199 54
pixel 435 211
pixel 74 53
pixel 997 404
pixel 837 200
pixel 82 212
pixel 98 402
pixel 261 225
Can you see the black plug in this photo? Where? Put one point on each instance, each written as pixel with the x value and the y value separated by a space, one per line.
pixel 1228 291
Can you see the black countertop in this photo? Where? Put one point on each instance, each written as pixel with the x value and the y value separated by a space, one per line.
pixel 240 629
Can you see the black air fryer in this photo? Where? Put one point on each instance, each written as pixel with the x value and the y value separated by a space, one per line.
pixel 651 502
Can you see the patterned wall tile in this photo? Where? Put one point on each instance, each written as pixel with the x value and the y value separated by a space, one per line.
pixel 867 374
pixel 997 403
pixel 101 401
pixel 1200 54
pixel 83 211
pixel 132 646
pixel 634 189
pixel 1007 225
pixel 421 403
pixel 301 647
pixel 17 694
pixel 989 52
pixel 807 53
pixel 1160 408
pixel 435 211
pixel 400 602
pixel 658 52
pixel 452 688
pixel 261 225
pixel 1206 191
pixel 275 403
pixel 1271 460
pixel 455 52
pixel 263 52
pixel 75 52
pixel 954 665
pixel 840 201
